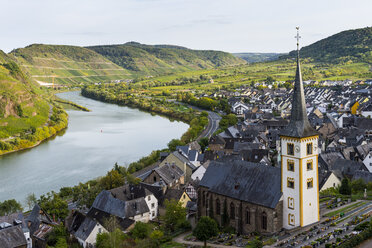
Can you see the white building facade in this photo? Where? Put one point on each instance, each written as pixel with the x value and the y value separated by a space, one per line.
pixel 299 162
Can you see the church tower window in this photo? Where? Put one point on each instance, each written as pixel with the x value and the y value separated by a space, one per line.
pixel 309 148
pixel 291 219
pixel 309 165
pixel 290 203
pixel 290 149
pixel 290 182
pixel 290 165
pixel 310 183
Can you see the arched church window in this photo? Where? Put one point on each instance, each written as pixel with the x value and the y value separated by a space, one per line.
pixel 232 211
pixel 247 216
pixel 264 221
pixel 218 207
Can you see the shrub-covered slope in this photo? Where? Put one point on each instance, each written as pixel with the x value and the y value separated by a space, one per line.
pixel 67 64
pixel 161 59
pixel 347 46
pixel 21 106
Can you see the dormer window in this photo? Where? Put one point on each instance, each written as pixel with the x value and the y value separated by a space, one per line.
pixel 290 149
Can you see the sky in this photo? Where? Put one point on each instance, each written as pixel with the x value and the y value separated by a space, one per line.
pixel 227 25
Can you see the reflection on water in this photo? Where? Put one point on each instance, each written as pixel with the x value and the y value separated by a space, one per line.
pixel 90 146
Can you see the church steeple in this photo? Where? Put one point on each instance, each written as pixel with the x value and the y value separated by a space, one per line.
pixel 299 125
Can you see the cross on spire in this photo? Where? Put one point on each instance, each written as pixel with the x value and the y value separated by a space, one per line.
pixel 298 38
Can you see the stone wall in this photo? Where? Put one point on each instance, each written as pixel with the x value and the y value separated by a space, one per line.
pixel 248 217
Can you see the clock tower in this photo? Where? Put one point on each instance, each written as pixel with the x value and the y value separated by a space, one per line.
pixel 299 162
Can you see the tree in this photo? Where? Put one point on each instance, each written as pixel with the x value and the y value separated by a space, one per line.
pixel 113 179
pixel 345 188
pixel 203 142
pixel 115 239
pixel 141 230
pixel 174 143
pixel 205 229
pixel 54 205
pixel 358 186
pixel 31 200
pixel 175 215
pixel 9 207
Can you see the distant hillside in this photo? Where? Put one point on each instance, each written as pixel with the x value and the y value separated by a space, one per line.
pixel 21 106
pixel 257 57
pixel 351 45
pixel 68 64
pixel 160 59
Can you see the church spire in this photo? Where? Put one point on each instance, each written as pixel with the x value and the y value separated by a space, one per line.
pixel 299 125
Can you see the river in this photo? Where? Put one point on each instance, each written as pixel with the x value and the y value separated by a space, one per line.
pixel 89 147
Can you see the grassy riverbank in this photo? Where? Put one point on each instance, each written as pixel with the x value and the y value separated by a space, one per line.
pixel 58 121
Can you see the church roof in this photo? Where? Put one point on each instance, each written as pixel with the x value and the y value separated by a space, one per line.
pixel 251 182
pixel 299 125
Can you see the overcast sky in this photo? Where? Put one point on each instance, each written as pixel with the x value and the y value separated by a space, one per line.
pixel 228 25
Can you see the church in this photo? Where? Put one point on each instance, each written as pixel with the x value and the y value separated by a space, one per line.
pixel 252 197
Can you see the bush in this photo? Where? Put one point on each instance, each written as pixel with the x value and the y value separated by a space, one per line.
pixel 141 230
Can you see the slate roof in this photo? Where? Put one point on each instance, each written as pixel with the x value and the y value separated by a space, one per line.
pixel 347 167
pixel 129 192
pixel 109 204
pixel 299 125
pixel 173 194
pixel 14 219
pixel 85 228
pixel 246 181
pixel 103 218
pixel 142 174
pixel 12 237
pixel 35 219
pixel 326 160
pixel 169 173
pixel 74 221
pixel 366 176
pixel 240 146
pixel 123 209
pixel 156 190
pixel 183 159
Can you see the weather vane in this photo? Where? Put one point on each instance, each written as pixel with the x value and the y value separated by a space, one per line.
pixel 298 38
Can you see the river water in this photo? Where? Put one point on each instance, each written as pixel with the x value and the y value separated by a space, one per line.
pixel 90 146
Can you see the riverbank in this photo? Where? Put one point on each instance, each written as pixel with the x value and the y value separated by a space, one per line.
pixel 196 119
pixel 58 121
pixel 71 104
pixel 89 148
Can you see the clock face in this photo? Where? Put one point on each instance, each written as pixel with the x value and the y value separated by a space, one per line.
pixel 297 149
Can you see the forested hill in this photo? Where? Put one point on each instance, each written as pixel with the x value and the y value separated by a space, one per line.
pixel 67 64
pixel 257 57
pixel 22 108
pixel 351 45
pixel 160 59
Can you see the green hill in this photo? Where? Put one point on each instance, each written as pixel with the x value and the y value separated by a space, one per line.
pixel 351 45
pixel 257 57
pixel 21 104
pixel 67 64
pixel 153 60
